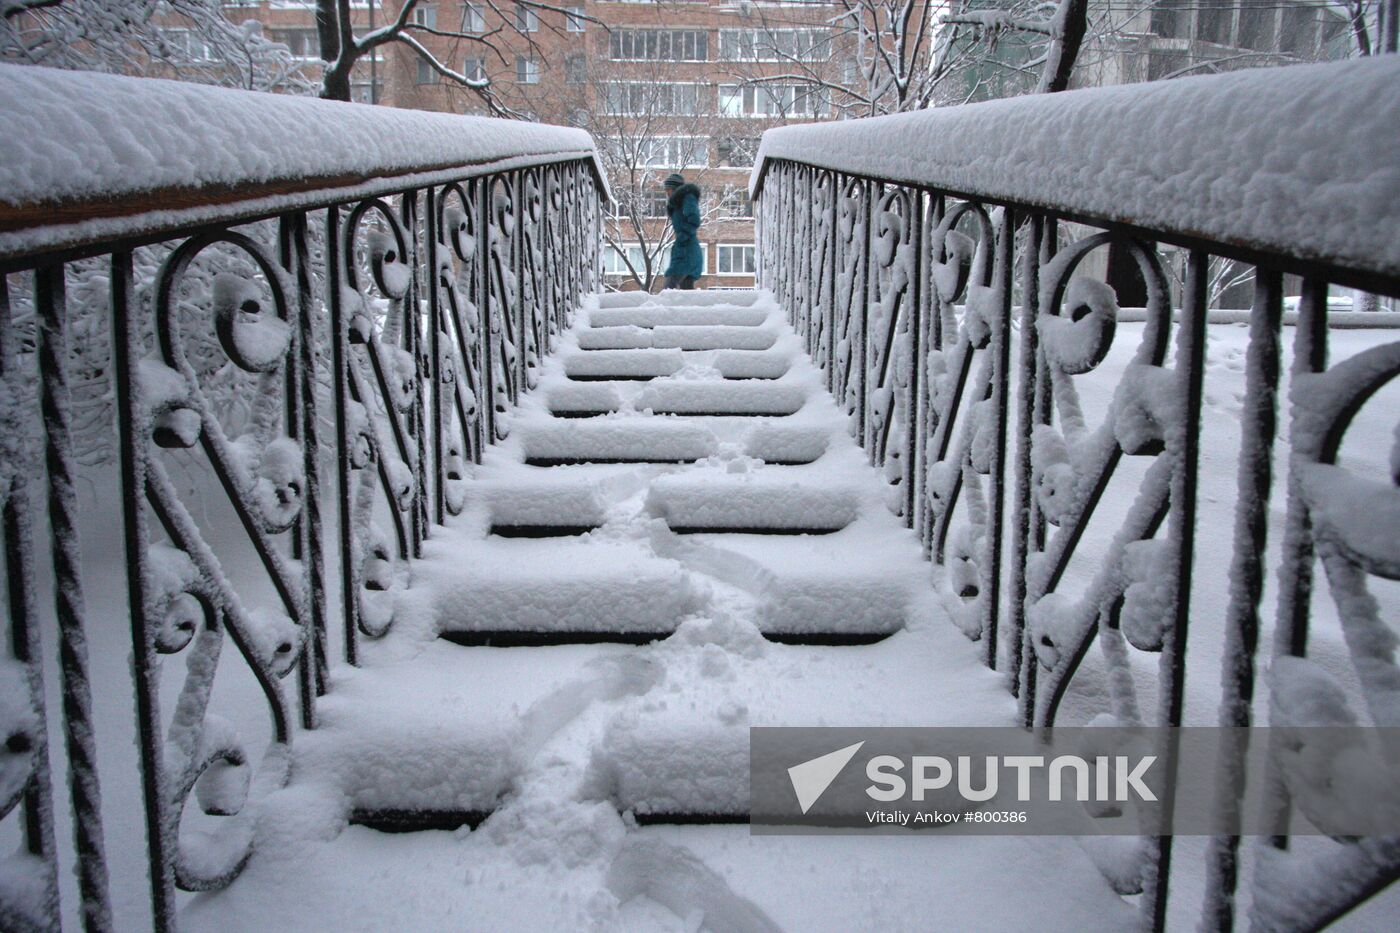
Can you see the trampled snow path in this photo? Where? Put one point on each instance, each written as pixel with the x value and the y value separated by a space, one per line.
pixel 631 591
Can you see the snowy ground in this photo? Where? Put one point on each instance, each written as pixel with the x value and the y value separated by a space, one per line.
pixel 565 743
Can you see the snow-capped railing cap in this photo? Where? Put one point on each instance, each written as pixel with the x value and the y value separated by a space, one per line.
pixel 1302 161
pixel 87 158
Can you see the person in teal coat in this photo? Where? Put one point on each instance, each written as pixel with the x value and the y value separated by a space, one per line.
pixel 683 206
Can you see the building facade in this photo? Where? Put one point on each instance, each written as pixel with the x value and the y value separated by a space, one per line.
pixel 664 87
pixel 690 85
pixel 292 23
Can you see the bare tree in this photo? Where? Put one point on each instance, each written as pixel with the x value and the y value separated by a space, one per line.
pixel 881 56
pixel 1384 15
pixel 1063 26
pixel 890 56
pixel 342 49
pixel 189 40
pixel 645 129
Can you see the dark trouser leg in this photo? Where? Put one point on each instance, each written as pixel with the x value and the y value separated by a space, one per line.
pixel 671 281
pixel 688 282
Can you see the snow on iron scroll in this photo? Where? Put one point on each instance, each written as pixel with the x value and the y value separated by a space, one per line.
pixel 379 402
pixel 1131 599
pixel 890 347
pixel 459 363
pixel 1319 766
pixel 534 323
pixel 962 421
pixel 26 791
pixel 191 601
pixel 850 289
pixel 818 333
pixel 503 291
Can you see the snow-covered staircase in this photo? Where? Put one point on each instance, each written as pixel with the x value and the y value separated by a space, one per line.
pixel 669 438
pixel 678 539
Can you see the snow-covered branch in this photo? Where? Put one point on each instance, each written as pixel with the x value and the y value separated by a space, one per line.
pixel 190 40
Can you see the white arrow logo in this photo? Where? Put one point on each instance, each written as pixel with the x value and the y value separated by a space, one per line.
pixel 811 778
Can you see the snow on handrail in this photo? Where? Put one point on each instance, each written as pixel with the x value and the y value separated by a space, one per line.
pixel 88 157
pixel 1302 161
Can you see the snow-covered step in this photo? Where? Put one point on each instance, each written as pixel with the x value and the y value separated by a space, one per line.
pixel 751 504
pixel 777 443
pixel 686 757
pixel 405 742
pixel 699 397
pixel 673 298
pixel 843 588
pixel 713 337
pixel 648 317
pixel 622 337
pixel 752 364
pixel 683 337
pixel 541 591
pixel 534 508
pixel 616 440
pixel 583 399
pixel 623 364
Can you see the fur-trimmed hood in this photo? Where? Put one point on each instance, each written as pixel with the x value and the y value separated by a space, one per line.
pixel 677 197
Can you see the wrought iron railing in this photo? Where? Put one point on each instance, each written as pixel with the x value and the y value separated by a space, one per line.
pixel 936 263
pixel 302 297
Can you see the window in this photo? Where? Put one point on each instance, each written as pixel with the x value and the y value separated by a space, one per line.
pixel 614 263
pixel 774 45
pixel 427 74
pixel 734 259
pixel 1335 40
pixel 576 68
pixel 301 43
pixel 664 152
pixel 475 69
pixel 473 20
pixel 527 70
pixel 737 152
pixel 1165 63
pixel 364 92
pixel 652 204
pixel 573 19
pixel 771 100
pixel 1297 32
pixel 526 19
pixel 736 206
pixel 425 14
pixel 634 98
pixel 1256 25
pixel 1213 22
pixel 1171 19
pixel 659 45
pixel 657 205
pixel 186 46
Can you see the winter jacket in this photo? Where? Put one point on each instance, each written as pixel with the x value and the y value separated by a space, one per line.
pixel 683 207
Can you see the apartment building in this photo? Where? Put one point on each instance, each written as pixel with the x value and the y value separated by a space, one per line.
pixel 293 23
pixel 1163 39
pixel 1174 38
pixel 664 87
